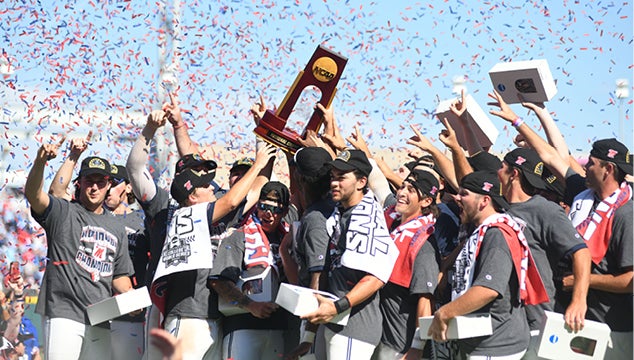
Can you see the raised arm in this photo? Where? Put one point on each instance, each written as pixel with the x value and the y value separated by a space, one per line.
pixel 378 178
pixel 553 134
pixel 445 165
pixel 459 108
pixel 460 163
pixel 184 143
pixel 37 198
pixel 143 186
pixel 60 182
pixel 263 159
pixel 547 153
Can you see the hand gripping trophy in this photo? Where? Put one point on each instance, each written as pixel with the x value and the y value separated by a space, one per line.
pixel 322 71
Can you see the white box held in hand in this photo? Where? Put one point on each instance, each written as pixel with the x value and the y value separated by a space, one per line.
pixel 116 306
pixel 460 327
pixel 558 342
pixel 301 301
pixel 259 284
pixel 531 78
pixel 479 122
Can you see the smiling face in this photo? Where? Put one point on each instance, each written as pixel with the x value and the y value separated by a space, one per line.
pixel 93 191
pixel 409 202
pixel 270 214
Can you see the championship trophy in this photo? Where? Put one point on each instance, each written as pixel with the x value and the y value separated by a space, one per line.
pixel 322 71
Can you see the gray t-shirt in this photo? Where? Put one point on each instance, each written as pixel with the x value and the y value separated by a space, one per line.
pixel 551 238
pixel 494 270
pixel 311 245
pixel 229 265
pixel 611 308
pixel 399 305
pixel 138 248
pixel 364 317
pixel 86 252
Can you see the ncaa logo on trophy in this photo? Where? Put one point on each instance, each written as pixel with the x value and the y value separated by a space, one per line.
pixel 323 72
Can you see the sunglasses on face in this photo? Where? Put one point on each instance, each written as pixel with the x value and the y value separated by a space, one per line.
pixel 272 208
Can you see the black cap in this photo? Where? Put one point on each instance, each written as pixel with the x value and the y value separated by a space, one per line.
pixel 529 164
pixel 276 191
pixel 119 172
pixel 94 165
pixel 312 161
pixel 244 162
pixel 614 151
pixel 193 160
pixel 485 183
pixel 552 183
pixel 350 160
pixel 185 182
pixel 484 161
pixel 424 181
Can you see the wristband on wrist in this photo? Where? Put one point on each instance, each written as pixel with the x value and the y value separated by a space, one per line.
pixel 182 124
pixel 342 305
pixel 517 122
pixel 307 337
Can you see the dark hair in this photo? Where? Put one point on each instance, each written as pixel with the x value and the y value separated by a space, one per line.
pixel 359 175
pixel 432 208
pixel 619 175
pixel 526 186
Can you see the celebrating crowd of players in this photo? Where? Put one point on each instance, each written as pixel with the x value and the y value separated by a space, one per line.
pixel 441 237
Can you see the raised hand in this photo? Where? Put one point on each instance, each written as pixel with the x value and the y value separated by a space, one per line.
pixel 173 111
pixel 458 107
pixel 448 136
pixel 79 145
pixel 156 119
pixel 505 111
pixel 420 141
pixel 356 139
pixel 49 151
pixel 258 109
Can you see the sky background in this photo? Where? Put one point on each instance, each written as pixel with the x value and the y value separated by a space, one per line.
pixel 86 65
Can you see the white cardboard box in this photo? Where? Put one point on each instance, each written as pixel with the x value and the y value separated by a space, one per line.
pixel 460 327
pixel 265 290
pixel 116 306
pixel 558 342
pixel 483 128
pixel 300 301
pixel 531 78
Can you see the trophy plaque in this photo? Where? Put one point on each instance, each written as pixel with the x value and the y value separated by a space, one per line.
pixel 322 71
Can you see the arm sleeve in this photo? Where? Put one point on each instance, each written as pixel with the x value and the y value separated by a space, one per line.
pixel 228 262
pixel 425 276
pixel 143 186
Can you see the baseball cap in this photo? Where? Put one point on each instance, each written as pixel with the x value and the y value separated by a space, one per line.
pixel 484 161
pixel 95 165
pixel 246 162
pixel 193 160
pixel 550 180
pixel 281 194
pixel 424 181
pixel 350 160
pixel 119 172
pixel 614 151
pixel 529 164
pixel 485 183
pixel 185 182
pixel 312 161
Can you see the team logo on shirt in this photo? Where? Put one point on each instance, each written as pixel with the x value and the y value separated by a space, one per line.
pixel 97 248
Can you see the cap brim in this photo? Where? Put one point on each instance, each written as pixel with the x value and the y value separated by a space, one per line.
pixel 87 172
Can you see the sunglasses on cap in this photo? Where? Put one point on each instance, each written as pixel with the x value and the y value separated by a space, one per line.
pixel 272 208
pixel 117 181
